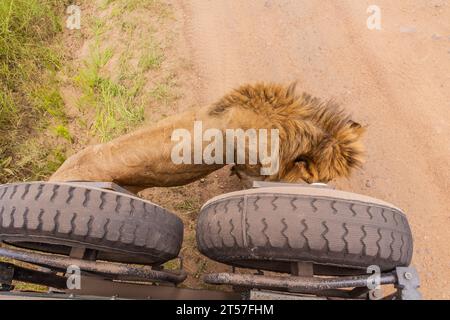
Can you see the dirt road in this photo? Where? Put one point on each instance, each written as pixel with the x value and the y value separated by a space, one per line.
pixel 395 80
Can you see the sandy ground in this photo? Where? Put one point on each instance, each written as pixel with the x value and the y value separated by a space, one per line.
pixel 395 80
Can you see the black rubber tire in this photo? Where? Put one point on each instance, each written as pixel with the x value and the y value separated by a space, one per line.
pixel 54 217
pixel 269 228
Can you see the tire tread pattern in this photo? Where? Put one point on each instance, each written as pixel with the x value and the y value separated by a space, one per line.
pixel 288 227
pixel 75 215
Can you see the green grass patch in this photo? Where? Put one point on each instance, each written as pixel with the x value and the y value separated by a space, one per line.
pixel 29 97
pixel 115 107
pixel 48 100
pixel 25 27
pixel 63 132
pixel 8 109
pixel 151 60
pixel 112 82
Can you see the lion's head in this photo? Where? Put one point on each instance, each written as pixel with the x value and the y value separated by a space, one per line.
pixel 318 140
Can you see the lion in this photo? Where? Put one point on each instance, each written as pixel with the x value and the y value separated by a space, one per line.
pixel 318 142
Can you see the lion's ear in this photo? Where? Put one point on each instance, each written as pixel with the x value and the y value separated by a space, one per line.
pixel 291 89
pixel 354 124
pixel 357 128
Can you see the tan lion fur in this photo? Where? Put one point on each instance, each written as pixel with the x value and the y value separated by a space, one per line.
pixel 318 142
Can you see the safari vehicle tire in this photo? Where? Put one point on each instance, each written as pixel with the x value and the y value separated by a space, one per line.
pixel 55 217
pixel 270 228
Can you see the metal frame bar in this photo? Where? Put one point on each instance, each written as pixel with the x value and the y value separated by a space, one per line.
pixel 110 269
pixel 408 284
pixel 10 272
pixel 405 280
pixel 294 283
